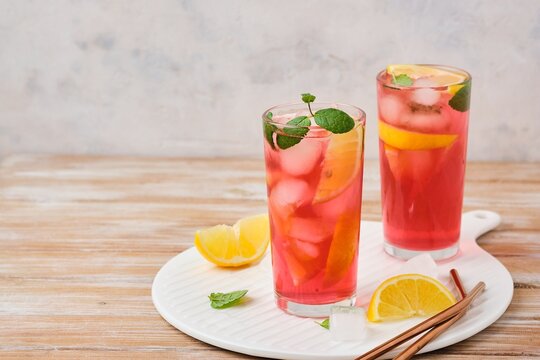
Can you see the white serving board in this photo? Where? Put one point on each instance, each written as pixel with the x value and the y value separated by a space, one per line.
pixel 257 327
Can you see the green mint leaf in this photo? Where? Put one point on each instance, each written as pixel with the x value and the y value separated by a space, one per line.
pixel 308 98
pixel 225 300
pixel 270 115
pixel 461 101
pixel 284 142
pixel 334 120
pixel 325 324
pixel 402 80
pixel 269 130
pixel 297 133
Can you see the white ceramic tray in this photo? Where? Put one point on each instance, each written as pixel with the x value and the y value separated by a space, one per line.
pixel 257 327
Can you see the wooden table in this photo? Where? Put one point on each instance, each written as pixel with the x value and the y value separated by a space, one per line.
pixel 82 238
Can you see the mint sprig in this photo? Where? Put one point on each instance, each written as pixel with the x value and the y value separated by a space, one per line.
pixel 325 324
pixel 333 120
pixel 402 80
pixel 461 99
pixel 225 300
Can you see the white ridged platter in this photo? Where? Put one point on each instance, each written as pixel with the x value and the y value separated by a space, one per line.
pixel 257 327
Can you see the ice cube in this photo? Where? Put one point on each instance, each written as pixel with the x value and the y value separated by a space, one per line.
pixel 425 96
pixel 287 195
pixel 301 158
pixel 427 121
pixel 272 177
pixel 313 230
pixel 332 209
pixel 391 109
pixel 290 192
pixel 347 323
pixel 305 250
pixel 329 210
pixel 420 264
pixel 283 118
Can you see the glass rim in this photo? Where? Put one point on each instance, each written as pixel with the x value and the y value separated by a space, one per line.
pixel 454 69
pixel 358 120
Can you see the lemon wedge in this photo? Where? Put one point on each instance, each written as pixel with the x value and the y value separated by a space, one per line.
pixel 341 164
pixel 230 246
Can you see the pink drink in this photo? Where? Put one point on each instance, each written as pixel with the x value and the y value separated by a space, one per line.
pixel 314 201
pixel 422 147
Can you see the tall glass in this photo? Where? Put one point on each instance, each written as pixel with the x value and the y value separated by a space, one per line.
pixel 314 201
pixel 423 122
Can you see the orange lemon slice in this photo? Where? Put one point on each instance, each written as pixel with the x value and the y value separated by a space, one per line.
pixel 441 76
pixel 408 295
pixel 411 140
pixel 243 243
pixel 341 164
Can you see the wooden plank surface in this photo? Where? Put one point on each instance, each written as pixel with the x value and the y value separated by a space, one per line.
pixel 82 238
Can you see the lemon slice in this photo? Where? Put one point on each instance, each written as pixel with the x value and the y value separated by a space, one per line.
pixel 410 140
pixel 230 246
pixel 405 296
pixel 453 89
pixel 344 247
pixel 413 71
pixel 341 164
pixel 442 76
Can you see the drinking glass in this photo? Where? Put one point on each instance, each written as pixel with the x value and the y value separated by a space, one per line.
pixel 314 201
pixel 423 122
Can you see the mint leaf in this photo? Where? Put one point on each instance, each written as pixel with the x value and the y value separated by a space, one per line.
pixel 334 120
pixel 298 121
pixel 297 133
pixel 269 130
pixel 308 98
pixel 402 80
pixel 325 324
pixel 225 300
pixel 461 101
pixel 284 142
pixel 270 115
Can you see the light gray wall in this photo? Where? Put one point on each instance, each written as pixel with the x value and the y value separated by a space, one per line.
pixel 192 77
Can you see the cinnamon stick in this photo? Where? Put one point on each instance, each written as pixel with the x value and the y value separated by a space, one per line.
pixel 435 331
pixel 457 283
pixel 424 325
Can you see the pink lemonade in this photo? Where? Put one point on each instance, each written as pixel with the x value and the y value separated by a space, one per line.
pixel 422 146
pixel 314 200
